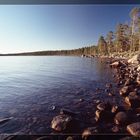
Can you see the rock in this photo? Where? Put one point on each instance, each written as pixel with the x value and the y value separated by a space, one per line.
pixel 67 112
pixel 138 68
pixel 134 129
pixel 115 129
pixel 89 131
pixel 101 106
pixel 132 93
pixel 109 85
pixel 138 79
pixel 115 64
pixel 61 122
pixel 102 115
pixel 135 59
pixel 124 91
pixel 128 82
pixel 104 106
pixel 114 109
pixel 121 118
pixel 133 101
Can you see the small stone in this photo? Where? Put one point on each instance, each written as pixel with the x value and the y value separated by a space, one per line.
pixel 121 118
pixel 134 129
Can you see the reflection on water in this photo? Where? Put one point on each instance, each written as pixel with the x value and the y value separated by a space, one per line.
pixel 30 86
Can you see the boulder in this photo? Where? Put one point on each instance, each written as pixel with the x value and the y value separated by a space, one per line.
pixel 121 118
pixel 134 129
pixel 61 122
pixel 133 101
pixel 135 59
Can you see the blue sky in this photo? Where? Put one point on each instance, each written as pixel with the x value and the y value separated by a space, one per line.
pixel 51 27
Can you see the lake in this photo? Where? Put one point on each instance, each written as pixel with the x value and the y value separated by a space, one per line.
pixel 30 86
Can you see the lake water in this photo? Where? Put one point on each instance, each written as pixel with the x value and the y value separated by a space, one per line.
pixel 31 85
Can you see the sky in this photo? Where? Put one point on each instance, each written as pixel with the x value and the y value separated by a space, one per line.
pixel 26 28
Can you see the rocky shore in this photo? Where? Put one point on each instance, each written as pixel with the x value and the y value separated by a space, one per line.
pixel 121 122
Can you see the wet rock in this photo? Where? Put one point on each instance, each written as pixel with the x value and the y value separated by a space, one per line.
pixel 67 112
pixel 97 101
pixel 115 109
pixel 121 118
pixel 133 101
pixel 135 59
pixel 101 106
pixel 89 131
pixel 104 106
pixel 134 129
pixel 115 64
pixel 61 122
pixel 124 90
pixel 102 115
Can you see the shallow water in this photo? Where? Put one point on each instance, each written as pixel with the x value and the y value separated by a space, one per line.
pixel 31 85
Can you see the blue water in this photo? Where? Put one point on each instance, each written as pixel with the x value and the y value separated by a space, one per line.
pixel 31 85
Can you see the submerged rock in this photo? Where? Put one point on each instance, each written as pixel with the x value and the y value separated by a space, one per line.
pixel 134 129
pixel 121 118
pixel 61 122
